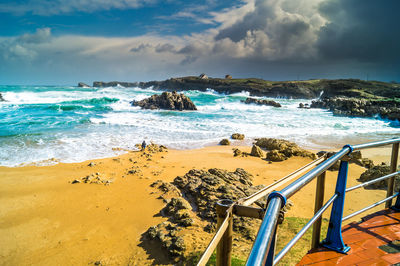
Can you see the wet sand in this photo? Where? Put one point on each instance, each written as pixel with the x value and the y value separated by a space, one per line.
pixel 47 220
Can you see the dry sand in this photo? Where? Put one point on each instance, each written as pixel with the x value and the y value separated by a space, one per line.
pixel 46 220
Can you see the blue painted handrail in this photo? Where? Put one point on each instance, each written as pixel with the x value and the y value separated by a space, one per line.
pixel 263 250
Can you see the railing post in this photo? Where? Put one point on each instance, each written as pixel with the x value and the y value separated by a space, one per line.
pixel 393 168
pixel 271 252
pixel 334 238
pixel 319 201
pixel 224 249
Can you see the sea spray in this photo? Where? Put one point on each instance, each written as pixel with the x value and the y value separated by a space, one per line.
pixel 73 124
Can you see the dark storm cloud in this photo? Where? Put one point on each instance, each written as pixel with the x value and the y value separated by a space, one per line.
pixel 364 30
pixel 276 30
pixel 256 20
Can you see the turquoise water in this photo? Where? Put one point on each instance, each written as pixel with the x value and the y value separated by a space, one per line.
pixel 71 124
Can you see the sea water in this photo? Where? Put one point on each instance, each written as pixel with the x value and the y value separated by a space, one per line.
pixel 50 124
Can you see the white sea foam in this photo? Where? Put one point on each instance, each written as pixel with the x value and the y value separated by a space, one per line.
pixel 123 125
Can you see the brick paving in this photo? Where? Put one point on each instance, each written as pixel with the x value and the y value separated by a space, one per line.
pixel 364 239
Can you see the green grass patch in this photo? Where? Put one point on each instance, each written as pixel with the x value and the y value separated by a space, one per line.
pixel 286 231
pixel 195 257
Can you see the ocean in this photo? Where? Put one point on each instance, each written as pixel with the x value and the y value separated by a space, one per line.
pixel 44 125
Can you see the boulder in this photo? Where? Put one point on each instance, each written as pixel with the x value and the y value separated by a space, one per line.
pixel 379 171
pixel 225 142
pixel 166 234
pixel 275 156
pixel 204 188
pixel 1 98
pixel 262 102
pixel 237 136
pixel 83 85
pixel 281 146
pixel 168 101
pixel 256 151
pixel 178 210
pixel 237 152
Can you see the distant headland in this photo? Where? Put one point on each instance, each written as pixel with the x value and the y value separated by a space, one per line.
pixel 305 89
pixel 348 97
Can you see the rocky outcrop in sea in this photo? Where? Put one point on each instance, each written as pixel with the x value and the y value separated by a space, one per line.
pixel 237 136
pixel 262 102
pixel 168 101
pixel 114 84
pixel 83 85
pixel 358 107
pixel 1 98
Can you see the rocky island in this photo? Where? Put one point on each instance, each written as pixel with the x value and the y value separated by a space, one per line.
pixel 168 101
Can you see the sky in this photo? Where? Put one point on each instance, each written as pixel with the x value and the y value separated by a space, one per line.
pixel 58 42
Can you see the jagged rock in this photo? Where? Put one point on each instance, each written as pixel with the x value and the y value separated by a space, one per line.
pixel 83 85
pixel 154 148
pixel 275 156
pixel 202 189
pixel 168 101
pixel 177 204
pixel 237 136
pixel 1 98
pixel 178 210
pixel 379 171
pixel 210 227
pixel 95 178
pixel 360 107
pixel 165 233
pixel 256 151
pixel 301 105
pixel 367 163
pixel 237 152
pixel 262 102
pixel 282 147
pixel 224 142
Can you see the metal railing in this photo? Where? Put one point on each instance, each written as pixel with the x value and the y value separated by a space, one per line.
pixel 263 250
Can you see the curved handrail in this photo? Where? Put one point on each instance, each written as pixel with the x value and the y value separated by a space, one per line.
pixel 262 252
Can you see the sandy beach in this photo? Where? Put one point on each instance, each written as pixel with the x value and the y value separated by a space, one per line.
pixel 47 220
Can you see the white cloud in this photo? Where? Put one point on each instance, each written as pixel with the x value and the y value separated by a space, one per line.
pixel 52 7
pixel 261 38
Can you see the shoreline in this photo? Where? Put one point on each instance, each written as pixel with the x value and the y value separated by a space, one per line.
pixel 48 220
pixel 316 146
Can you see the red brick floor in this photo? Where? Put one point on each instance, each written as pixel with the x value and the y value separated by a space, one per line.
pixel 364 239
